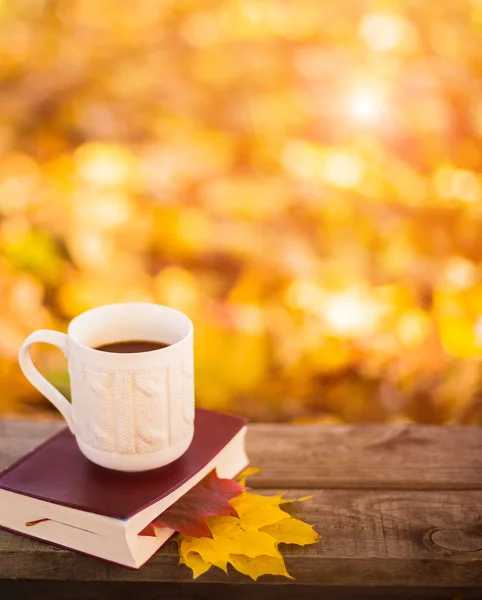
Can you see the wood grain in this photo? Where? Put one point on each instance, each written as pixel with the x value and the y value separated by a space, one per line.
pixel 342 457
pixel 396 507
pixel 19 437
pixel 369 537
pixel 354 457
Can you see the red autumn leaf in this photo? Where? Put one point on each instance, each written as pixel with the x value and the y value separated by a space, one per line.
pixel 209 498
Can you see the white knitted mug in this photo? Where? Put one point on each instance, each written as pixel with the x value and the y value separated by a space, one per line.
pixel 129 412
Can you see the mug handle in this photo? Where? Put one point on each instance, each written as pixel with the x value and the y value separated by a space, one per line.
pixel 60 341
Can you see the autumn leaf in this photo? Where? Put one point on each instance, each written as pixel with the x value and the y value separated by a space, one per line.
pixel 196 564
pixel 261 565
pixel 249 542
pixel 241 478
pixel 257 511
pixel 291 531
pixel 220 523
pixel 210 497
pixel 229 537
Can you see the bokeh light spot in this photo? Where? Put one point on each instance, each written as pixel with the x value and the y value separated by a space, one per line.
pixel 366 104
pixel 457 183
pixel 343 169
pixel 383 31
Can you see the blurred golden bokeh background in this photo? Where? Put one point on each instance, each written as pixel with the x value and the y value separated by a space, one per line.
pixel 302 178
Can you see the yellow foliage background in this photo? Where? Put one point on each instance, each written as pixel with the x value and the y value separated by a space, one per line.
pixel 302 178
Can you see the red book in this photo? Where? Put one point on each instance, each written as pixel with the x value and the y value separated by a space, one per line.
pixel 88 508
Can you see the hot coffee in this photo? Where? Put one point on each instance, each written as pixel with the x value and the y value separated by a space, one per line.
pixel 131 346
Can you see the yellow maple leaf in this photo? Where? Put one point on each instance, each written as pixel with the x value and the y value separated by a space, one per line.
pixel 257 511
pixel 247 473
pixel 194 561
pixel 198 566
pixel 292 531
pixel 241 539
pixel 203 546
pixel 221 564
pixel 261 565
pixel 250 541
pixel 229 537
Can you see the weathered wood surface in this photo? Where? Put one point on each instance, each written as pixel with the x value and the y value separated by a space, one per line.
pixel 341 457
pixel 397 507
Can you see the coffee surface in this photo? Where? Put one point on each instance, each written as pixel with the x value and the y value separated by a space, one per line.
pixel 131 346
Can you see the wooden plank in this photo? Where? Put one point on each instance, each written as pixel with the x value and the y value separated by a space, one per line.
pixel 369 538
pixel 354 457
pixel 19 437
pixel 343 457
pixel 88 590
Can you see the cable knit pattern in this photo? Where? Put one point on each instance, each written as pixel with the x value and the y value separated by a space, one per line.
pixel 134 412
pixel 187 378
pixel 95 411
pixel 151 412
pixel 124 440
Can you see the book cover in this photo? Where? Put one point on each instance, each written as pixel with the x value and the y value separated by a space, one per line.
pixel 57 495
pixel 57 472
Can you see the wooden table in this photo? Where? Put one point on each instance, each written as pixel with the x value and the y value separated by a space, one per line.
pixel 399 510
